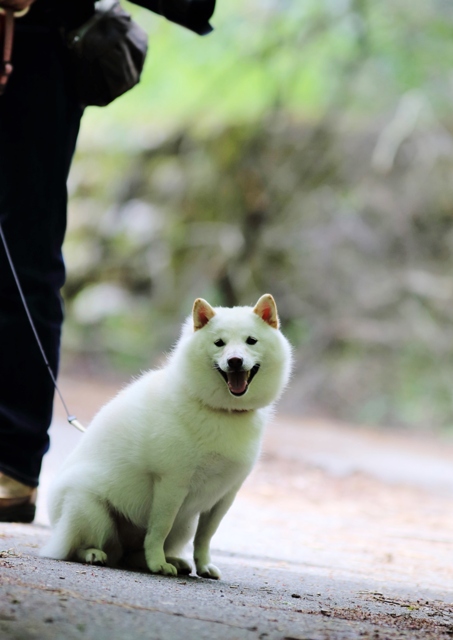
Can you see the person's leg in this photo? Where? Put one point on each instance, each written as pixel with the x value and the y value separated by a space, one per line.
pixel 39 122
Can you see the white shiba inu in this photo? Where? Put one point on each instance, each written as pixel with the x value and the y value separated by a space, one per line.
pixel 162 462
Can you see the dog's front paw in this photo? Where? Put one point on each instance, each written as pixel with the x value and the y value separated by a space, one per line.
pixel 163 568
pixel 92 556
pixel 208 571
pixel 182 566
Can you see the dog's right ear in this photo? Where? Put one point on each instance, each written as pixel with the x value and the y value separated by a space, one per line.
pixel 202 312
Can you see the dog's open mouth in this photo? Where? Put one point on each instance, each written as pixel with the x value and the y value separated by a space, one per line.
pixel 238 381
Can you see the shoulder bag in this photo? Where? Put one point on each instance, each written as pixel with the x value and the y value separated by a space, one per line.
pixel 106 54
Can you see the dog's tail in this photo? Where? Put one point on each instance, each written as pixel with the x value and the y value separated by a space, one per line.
pixel 57 549
pixel 61 545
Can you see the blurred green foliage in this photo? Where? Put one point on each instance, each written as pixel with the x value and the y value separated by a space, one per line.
pixel 306 57
pixel 304 148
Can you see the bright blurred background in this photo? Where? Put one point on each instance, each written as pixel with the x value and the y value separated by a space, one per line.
pixel 305 149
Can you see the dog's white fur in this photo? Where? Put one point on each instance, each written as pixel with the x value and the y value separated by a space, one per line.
pixel 164 459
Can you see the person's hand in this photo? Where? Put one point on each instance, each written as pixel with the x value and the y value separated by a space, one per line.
pixel 15 5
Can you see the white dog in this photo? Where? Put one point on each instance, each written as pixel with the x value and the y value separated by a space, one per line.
pixel 164 459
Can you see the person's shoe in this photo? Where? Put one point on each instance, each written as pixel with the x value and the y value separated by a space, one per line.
pixel 17 500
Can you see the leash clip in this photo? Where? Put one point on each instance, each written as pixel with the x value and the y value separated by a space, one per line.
pixel 75 423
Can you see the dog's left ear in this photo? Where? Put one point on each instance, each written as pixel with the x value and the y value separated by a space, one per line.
pixel 266 309
pixel 202 312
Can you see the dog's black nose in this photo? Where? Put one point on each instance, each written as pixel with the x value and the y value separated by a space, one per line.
pixel 235 363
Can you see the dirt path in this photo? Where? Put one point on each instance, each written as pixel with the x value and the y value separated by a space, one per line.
pixel 339 533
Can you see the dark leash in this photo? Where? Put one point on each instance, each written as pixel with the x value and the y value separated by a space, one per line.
pixel 71 419
pixel 7 17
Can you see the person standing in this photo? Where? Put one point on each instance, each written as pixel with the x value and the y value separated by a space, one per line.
pixel 40 117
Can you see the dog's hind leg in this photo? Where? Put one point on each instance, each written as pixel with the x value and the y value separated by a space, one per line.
pixel 85 532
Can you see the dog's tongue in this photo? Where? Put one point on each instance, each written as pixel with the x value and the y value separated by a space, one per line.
pixel 237 381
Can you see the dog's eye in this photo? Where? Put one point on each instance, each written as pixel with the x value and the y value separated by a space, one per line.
pixel 219 343
pixel 251 340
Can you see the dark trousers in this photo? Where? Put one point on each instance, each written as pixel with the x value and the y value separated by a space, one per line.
pixel 39 123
